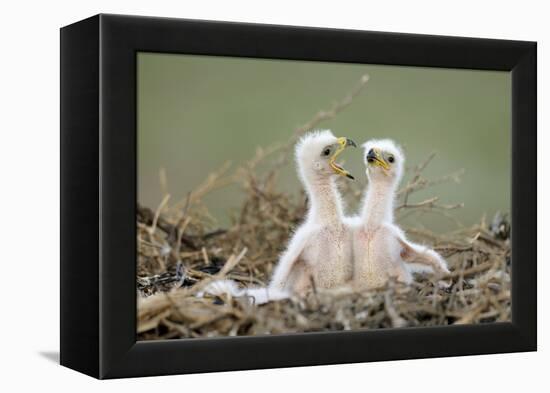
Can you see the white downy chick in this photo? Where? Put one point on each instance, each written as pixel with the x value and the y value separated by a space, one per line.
pixel 381 250
pixel 320 251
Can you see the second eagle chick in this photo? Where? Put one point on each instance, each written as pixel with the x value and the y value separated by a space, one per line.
pixel 381 250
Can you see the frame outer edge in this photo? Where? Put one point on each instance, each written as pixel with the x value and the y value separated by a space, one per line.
pixel 79 275
pixel 121 38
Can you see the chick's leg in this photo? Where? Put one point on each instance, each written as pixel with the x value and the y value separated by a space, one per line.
pixel 301 279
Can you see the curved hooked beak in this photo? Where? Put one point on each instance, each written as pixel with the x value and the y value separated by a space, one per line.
pixel 375 158
pixel 343 143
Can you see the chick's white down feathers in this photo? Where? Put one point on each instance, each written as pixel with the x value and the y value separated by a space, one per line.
pixel 381 250
pixel 319 252
pixel 329 250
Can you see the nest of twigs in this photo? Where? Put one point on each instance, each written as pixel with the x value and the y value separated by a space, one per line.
pixel 181 249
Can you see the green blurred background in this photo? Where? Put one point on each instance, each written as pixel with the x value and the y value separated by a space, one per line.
pixel 197 112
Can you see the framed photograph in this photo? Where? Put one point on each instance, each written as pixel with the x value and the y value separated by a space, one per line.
pixel 240 196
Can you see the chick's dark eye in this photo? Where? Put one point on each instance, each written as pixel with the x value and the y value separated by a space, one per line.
pixel 326 152
pixel 391 159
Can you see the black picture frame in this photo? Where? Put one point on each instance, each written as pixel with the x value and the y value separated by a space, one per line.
pixel 98 195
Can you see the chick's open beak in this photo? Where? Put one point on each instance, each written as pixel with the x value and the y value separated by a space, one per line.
pixel 375 158
pixel 343 143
